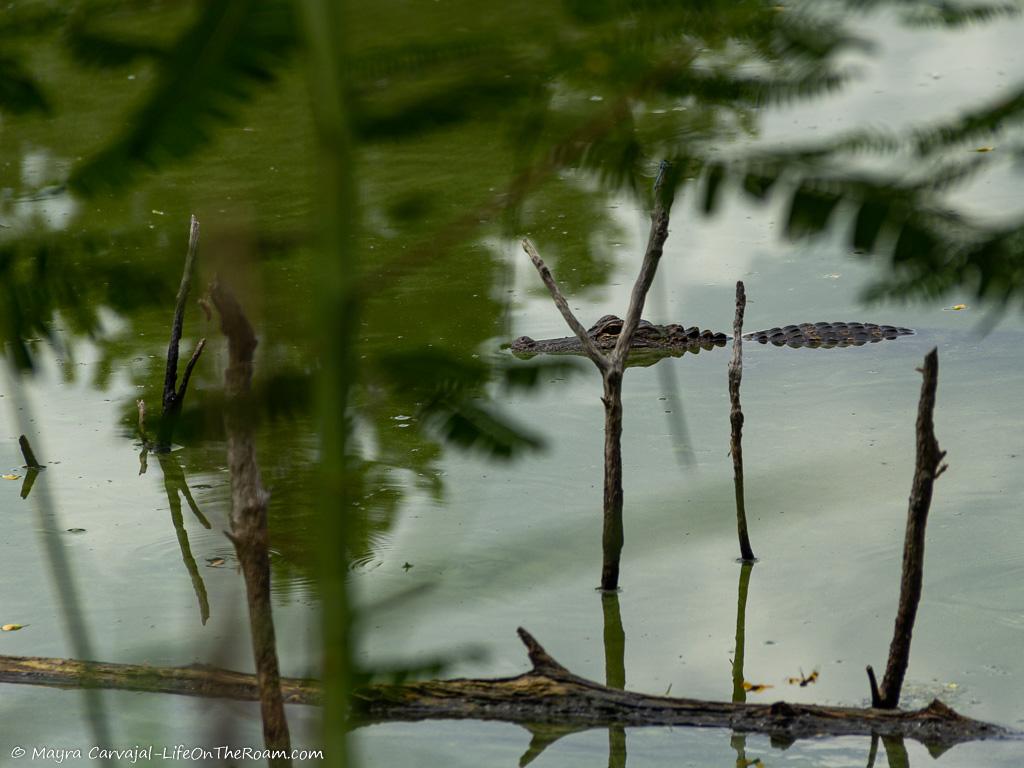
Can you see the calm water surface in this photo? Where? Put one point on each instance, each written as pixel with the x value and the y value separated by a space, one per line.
pixel 829 449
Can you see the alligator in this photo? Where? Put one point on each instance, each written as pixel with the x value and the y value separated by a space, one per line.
pixel 674 339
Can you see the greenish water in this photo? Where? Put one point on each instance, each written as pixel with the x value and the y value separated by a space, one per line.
pixel 828 447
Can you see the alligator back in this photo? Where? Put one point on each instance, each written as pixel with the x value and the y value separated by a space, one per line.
pixel 827 335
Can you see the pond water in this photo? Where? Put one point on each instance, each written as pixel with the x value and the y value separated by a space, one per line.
pixel 485 548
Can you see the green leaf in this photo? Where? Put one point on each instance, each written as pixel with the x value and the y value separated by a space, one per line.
pixel 448 105
pixel 759 185
pixel 18 90
pixel 234 46
pixel 430 370
pixel 97 49
pixel 913 243
pixel 868 224
pixel 525 376
pixel 809 211
pixel 466 424
pixel 713 187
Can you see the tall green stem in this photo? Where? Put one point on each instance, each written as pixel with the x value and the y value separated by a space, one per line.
pixel 325 28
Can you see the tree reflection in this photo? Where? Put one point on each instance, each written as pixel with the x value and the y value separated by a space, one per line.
pixel 739 692
pixel 614 670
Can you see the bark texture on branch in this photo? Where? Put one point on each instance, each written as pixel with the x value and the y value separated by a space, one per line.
pixel 249 512
pixel 927 468
pixel 736 421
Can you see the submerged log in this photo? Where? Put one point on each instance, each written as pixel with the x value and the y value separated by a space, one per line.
pixel 548 696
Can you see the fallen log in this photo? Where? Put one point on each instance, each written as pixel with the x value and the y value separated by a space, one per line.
pixel 549 693
pixel 192 680
pixel 547 697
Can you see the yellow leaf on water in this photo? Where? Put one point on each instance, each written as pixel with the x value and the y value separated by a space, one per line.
pixel 215 562
pixel 11 477
pixel 755 687
pixel 958 307
pixel 984 149
pixel 12 627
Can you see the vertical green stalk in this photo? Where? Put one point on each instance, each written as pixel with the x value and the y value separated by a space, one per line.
pixel 324 25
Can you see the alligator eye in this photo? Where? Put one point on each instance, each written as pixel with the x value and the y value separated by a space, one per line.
pixel 523 341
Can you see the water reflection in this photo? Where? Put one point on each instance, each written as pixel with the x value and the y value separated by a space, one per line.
pixel 895 752
pixel 738 741
pixel 176 487
pixel 614 671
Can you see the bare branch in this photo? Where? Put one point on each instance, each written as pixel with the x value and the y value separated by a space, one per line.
pixel 652 256
pixel 589 347
pixel 171 372
pixel 188 368
pixel 28 454
pixel 927 469
pixel 736 420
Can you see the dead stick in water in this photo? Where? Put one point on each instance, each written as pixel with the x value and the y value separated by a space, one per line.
pixel 612 366
pixel 249 502
pixel 28 454
pixel 173 395
pixel 928 467
pixel 736 419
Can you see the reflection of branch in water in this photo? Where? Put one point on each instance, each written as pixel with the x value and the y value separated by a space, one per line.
pixel 30 479
pixel 614 671
pixel 542 736
pixel 32 466
pixel 873 753
pixel 896 752
pixel 614 642
pixel 174 484
pixel 679 431
pixel 739 693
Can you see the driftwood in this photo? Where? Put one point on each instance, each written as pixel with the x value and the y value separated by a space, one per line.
pixel 249 514
pixel 736 421
pixel 612 366
pixel 547 697
pixel 928 467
